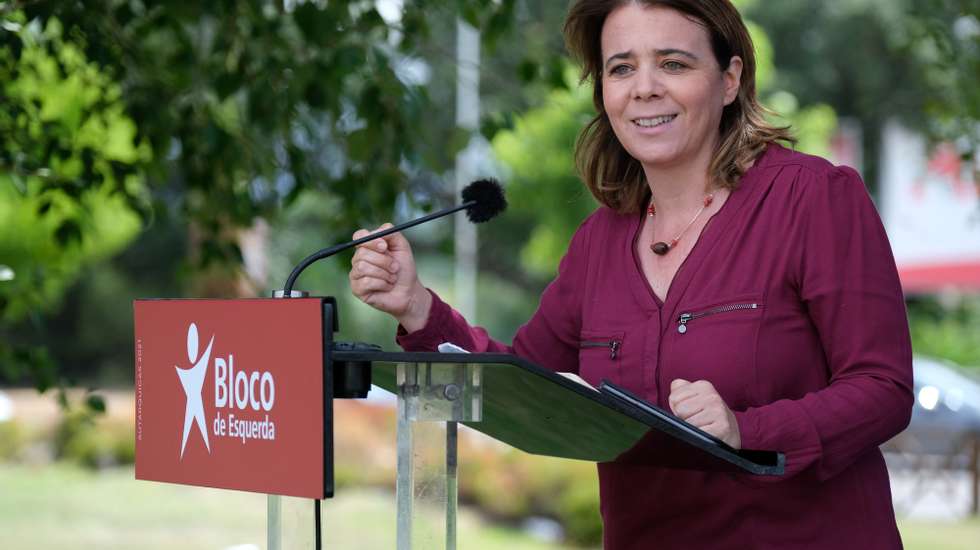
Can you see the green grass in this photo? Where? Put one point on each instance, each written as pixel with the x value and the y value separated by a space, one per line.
pixel 61 506
pixel 936 535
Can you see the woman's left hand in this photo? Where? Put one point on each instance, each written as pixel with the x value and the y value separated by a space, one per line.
pixel 699 404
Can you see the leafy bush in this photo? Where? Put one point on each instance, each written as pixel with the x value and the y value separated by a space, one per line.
pixel 578 511
pixel 947 332
pixel 94 441
pixel 511 485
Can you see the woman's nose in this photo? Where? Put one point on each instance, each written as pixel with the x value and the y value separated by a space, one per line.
pixel 647 84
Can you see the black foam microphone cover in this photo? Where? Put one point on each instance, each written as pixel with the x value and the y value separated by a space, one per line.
pixel 489 198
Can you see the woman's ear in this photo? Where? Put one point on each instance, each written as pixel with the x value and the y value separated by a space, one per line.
pixel 732 77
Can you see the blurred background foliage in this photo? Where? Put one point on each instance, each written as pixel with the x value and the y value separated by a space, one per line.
pixel 190 149
pixel 872 60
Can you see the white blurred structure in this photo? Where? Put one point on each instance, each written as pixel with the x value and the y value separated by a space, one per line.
pixel 467 119
pixel 6 407
pixel 930 206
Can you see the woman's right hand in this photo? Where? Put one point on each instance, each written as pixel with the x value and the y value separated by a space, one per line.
pixel 383 276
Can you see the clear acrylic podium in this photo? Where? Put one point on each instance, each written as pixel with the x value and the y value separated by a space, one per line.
pixel 432 399
pixel 524 406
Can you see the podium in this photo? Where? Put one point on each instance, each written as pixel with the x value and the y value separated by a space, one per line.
pixel 529 408
pixel 269 428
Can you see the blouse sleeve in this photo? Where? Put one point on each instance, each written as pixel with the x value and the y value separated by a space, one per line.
pixel 549 339
pixel 849 285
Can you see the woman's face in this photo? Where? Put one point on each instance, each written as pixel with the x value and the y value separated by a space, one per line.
pixel 662 88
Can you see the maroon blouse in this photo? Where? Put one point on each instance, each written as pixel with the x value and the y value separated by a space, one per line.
pixel 790 305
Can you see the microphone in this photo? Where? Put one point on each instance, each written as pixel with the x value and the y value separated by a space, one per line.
pixel 483 200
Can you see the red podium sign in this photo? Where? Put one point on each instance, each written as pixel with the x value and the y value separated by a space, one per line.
pixel 230 394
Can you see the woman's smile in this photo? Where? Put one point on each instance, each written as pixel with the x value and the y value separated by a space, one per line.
pixel 659 123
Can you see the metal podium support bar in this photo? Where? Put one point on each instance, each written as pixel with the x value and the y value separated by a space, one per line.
pixel 432 398
pixel 275 516
pixel 274 523
pixel 289 523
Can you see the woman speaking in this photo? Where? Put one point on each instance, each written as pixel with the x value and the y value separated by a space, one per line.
pixel 748 288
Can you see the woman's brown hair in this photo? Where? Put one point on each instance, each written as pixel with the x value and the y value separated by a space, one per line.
pixel 615 178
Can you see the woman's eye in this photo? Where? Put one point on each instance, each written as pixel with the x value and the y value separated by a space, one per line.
pixel 674 66
pixel 619 70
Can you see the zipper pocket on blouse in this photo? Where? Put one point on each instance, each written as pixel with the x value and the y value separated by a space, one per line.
pixel 686 318
pixel 613 346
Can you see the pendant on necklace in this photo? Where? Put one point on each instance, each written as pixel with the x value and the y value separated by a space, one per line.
pixel 661 248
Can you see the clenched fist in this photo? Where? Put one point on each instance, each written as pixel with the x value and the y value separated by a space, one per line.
pixel 383 276
pixel 699 404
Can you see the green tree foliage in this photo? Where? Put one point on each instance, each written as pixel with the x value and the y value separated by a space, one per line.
pixel 873 60
pixel 69 177
pixel 943 38
pixel 68 165
pixel 246 104
pixel 549 200
pixel 950 332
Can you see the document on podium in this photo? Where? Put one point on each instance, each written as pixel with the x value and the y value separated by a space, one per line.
pixel 449 347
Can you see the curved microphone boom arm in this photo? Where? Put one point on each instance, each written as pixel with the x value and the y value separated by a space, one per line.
pixel 482 200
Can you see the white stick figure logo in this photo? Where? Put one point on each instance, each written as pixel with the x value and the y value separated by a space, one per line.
pixel 192 380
